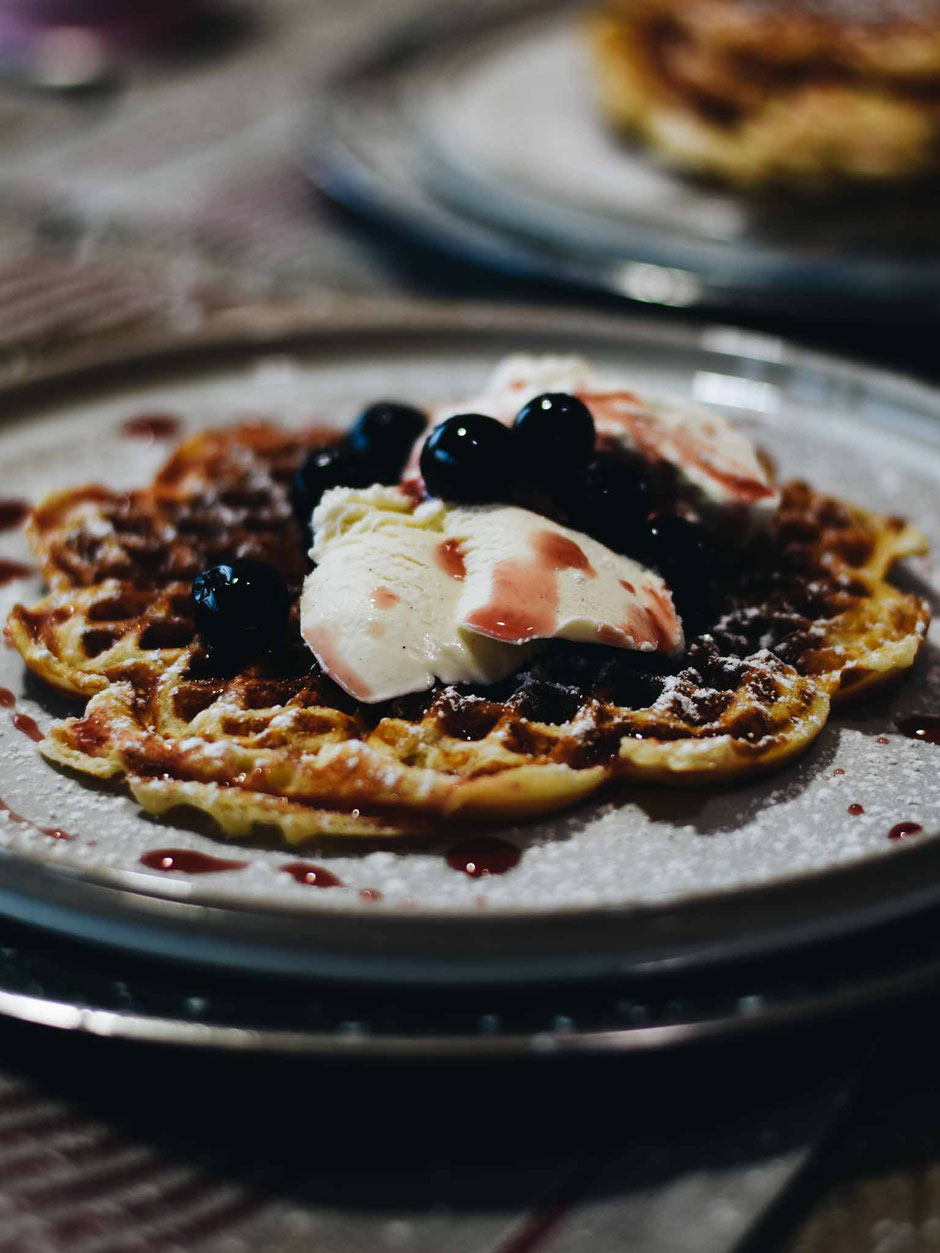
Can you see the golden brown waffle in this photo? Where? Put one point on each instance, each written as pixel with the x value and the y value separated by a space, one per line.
pixel 757 91
pixel 809 620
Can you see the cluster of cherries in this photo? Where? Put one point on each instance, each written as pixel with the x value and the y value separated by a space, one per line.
pixel 547 460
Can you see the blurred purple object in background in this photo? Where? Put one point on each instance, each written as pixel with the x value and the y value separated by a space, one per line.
pixel 24 24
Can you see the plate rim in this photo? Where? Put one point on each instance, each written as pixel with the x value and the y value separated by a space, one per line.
pixel 265 328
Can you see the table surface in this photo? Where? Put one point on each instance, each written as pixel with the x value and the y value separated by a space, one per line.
pixel 175 189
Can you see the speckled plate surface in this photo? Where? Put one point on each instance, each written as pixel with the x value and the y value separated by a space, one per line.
pixel 654 878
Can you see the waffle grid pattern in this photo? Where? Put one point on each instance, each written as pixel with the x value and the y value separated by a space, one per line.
pixel 280 746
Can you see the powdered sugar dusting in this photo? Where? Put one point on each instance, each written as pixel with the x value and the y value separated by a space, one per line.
pixel 638 846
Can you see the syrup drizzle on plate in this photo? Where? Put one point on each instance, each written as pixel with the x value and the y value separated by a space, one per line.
pixel 13 513
pixel 901 830
pixel 10 570
pixel 26 724
pixel 151 426
pixel 924 727
pixel 483 856
pixel 313 876
pixel 189 861
pixel 54 833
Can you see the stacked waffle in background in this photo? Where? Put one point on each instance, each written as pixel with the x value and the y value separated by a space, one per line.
pixel 806 93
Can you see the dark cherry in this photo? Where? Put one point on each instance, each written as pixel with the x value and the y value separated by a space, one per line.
pixel 240 609
pixel 611 502
pixel 385 435
pixel 556 436
pixel 335 465
pixel 470 458
pixel 689 561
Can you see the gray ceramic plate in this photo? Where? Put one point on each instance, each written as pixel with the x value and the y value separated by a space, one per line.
pixel 479 134
pixel 655 881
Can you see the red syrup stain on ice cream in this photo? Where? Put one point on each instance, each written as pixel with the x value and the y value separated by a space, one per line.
pixel 189 861
pixel 329 653
pixel 924 727
pixel 313 876
pixel 856 809
pixel 449 557
pixel 523 602
pixel 655 440
pixel 486 855
pixel 384 598
pixel 558 552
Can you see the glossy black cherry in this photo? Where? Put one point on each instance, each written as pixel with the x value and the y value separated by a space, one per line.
pixel 332 465
pixel 555 434
pixel 470 459
pixel 385 435
pixel 611 503
pixel 240 609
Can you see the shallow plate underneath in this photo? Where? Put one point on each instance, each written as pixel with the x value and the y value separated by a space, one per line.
pixel 653 877
pixel 73 987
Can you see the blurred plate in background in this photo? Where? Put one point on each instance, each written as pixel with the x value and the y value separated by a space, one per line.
pixel 481 137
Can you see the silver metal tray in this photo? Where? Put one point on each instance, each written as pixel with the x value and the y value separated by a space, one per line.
pixel 653 882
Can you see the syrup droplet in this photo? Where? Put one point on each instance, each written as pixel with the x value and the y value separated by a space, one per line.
pixel 370 894
pixel 924 727
pixel 838 770
pixel 151 426
pixel 26 724
pixel 856 809
pixel 313 876
pixel 485 856
pixel 189 861
pixel 558 552
pixel 903 829
pixel 10 570
pixel 449 557
pixel 384 598
pixel 7 699
pixel 13 513
pixel 53 832
pixel 882 739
